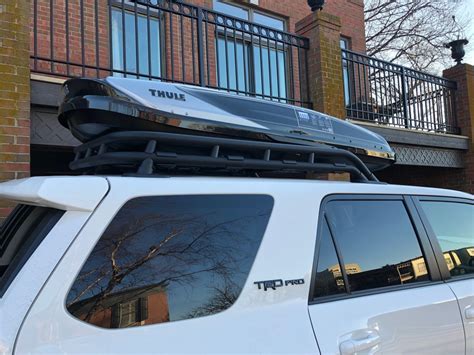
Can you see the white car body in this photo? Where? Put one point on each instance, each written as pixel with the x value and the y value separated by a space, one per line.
pixel 434 318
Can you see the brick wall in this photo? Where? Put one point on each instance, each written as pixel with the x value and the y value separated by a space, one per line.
pixel 68 32
pixel 14 93
pixel 324 62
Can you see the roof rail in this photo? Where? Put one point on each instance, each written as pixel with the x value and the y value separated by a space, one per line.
pixel 147 153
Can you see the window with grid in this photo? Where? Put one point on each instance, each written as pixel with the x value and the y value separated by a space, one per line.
pixel 247 63
pixel 135 32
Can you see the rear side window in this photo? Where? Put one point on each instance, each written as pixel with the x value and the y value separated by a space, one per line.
pixel 453 225
pixel 20 235
pixel 377 246
pixel 170 258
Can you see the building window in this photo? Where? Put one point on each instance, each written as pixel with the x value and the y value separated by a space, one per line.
pixel 248 63
pixel 344 43
pixel 136 48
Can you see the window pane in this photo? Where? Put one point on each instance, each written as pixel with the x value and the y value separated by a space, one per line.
pixel 343 43
pixel 453 224
pixel 345 71
pixel 271 70
pixel 170 258
pixel 378 241
pixel 118 62
pixel 231 10
pixel 329 280
pixel 117 44
pixel 268 21
pixel 232 73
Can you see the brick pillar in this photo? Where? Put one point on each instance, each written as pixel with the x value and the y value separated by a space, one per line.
pixel 324 62
pixel 14 92
pixel 463 74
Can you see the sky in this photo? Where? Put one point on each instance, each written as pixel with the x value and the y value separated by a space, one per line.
pixel 469 58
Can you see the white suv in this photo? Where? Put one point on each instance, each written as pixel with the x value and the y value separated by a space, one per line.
pixel 112 264
pixel 139 258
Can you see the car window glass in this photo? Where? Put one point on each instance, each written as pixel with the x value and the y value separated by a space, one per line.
pixel 170 258
pixel 328 280
pixel 453 225
pixel 377 242
pixel 20 235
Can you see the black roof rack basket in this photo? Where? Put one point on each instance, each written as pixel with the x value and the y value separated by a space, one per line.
pixel 147 153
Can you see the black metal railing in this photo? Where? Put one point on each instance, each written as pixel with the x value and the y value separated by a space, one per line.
pixel 388 94
pixel 170 41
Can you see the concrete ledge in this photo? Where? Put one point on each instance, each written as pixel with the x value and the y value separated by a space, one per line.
pixel 45 93
pixel 417 138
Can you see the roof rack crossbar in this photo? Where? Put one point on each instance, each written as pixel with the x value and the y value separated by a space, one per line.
pixel 164 151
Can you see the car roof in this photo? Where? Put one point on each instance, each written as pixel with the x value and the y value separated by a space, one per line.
pixel 85 192
pixel 324 186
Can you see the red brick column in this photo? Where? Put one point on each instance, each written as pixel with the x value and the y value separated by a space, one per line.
pixel 324 62
pixel 14 93
pixel 324 67
pixel 463 74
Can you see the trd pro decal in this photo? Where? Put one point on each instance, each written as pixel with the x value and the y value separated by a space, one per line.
pixel 273 284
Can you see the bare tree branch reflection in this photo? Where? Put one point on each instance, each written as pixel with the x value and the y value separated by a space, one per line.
pixel 141 253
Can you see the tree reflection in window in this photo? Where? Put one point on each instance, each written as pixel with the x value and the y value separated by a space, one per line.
pixel 170 258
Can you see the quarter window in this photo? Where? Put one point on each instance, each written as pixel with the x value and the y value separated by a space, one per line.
pixel 329 280
pixel 170 258
pixel 378 244
pixel 453 225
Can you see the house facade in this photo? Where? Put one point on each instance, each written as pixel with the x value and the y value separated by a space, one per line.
pixel 274 50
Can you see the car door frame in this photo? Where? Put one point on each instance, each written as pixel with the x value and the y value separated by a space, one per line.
pixel 425 243
pixel 445 274
pixel 422 236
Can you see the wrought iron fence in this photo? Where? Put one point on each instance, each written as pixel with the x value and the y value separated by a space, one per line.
pixel 385 93
pixel 170 41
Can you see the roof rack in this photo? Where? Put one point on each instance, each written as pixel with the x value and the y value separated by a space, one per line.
pixel 150 153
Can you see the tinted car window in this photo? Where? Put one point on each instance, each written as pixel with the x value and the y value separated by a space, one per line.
pixel 377 242
pixel 20 235
pixel 170 258
pixel 453 225
pixel 328 280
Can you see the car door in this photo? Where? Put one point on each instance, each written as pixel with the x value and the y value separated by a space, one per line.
pixel 450 224
pixel 376 285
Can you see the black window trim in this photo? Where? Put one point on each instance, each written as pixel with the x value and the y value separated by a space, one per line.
pixel 445 274
pixel 422 236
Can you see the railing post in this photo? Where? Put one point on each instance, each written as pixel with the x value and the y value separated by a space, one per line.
pixel 405 99
pixel 325 63
pixel 462 95
pixel 200 46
